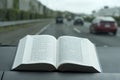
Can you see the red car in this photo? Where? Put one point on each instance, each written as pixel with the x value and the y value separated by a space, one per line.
pixel 104 24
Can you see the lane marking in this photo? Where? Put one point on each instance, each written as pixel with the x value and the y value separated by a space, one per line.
pixel 105 46
pixel 77 30
pixel 42 30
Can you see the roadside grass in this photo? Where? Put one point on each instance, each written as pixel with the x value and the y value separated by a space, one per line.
pixel 15 27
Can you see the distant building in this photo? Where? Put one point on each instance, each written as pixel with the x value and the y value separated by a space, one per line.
pixel 3 4
pixel 6 4
pixel 108 12
pixel 40 8
pixel 10 4
pixel 33 6
pixel 24 5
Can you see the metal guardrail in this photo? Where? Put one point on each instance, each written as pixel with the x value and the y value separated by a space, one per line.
pixel 10 23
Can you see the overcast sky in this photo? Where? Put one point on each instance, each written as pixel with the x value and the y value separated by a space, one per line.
pixel 80 6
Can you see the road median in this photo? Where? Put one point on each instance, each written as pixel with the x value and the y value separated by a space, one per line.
pixel 11 23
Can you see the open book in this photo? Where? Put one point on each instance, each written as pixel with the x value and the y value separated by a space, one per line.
pixel 46 53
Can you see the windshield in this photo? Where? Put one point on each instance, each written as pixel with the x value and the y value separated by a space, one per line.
pixel 19 18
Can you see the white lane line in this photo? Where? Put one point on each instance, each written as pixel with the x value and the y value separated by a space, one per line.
pixel 77 30
pixel 43 29
pixel 105 46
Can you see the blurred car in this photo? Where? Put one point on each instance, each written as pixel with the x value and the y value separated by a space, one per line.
pixel 69 18
pixel 59 19
pixel 104 24
pixel 78 21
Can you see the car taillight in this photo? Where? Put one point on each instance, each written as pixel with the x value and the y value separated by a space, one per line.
pixel 115 24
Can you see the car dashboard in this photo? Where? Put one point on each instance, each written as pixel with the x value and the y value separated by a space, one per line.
pixel 109 58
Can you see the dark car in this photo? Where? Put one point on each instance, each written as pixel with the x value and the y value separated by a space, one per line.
pixel 59 19
pixel 78 21
pixel 104 24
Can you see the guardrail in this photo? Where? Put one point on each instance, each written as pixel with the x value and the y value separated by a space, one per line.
pixel 10 23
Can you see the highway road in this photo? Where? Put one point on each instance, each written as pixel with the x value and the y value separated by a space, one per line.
pixel 57 30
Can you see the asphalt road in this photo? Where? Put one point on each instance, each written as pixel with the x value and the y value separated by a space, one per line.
pixel 12 36
pixel 106 40
pixel 57 30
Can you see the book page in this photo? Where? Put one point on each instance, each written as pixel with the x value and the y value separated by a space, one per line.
pixel 77 51
pixel 20 52
pixel 42 50
pixel 70 50
pixel 91 54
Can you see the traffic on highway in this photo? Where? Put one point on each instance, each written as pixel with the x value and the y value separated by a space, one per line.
pixel 100 27
pixel 62 27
